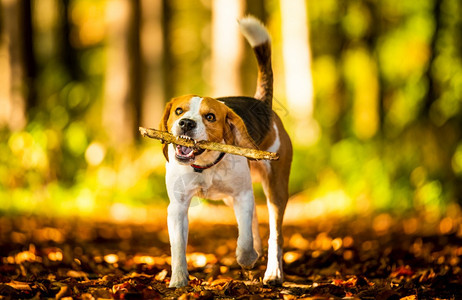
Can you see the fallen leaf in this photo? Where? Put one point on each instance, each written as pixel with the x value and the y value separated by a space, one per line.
pixel 87 296
pixel 77 274
pixel 123 287
pixel 161 275
pixel 23 286
pixel 412 297
pixel 402 271
pixel 237 288
pixel 63 292
pixel 220 282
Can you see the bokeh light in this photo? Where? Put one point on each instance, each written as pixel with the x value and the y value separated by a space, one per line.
pixel 370 93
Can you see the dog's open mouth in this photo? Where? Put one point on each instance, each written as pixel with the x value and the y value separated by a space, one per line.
pixel 185 154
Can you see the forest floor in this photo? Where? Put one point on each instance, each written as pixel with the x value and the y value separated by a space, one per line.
pixel 373 257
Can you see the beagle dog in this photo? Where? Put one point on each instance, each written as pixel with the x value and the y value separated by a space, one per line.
pixel 242 121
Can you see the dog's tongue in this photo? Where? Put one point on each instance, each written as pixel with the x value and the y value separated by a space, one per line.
pixel 185 150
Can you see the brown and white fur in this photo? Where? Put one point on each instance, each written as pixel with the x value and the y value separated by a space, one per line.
pixel 242 121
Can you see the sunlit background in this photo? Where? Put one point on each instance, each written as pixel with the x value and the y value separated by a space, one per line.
pixel 370 92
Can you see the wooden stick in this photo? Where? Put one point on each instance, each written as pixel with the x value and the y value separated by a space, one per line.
pixel 208 145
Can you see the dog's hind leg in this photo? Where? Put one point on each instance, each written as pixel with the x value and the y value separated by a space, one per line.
pixel 276 202
pixel 275 182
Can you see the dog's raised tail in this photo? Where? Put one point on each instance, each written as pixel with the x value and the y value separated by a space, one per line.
pixel 258 37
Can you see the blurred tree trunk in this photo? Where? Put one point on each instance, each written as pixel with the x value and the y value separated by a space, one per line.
pixel 167 55
pixel 118 110
pixel 249 63
pixel 341 42
pixel 29 57
pixel 227 47
pixel 69 53
pixel 5 74
pixel 152 45
pixel 432 93
pixel 135 65
pixel 12 74
pixel 372 40
pixel 297 67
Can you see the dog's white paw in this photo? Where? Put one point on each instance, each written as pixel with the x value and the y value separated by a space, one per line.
pixel 246 258
pixel 179 280
pixel 273 276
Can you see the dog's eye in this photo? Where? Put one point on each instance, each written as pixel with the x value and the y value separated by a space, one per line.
pixel 210 117
pixel 178 111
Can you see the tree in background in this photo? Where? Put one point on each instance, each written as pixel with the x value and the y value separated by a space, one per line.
pixel 380 79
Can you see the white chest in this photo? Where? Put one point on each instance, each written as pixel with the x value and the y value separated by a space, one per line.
pixel 229 178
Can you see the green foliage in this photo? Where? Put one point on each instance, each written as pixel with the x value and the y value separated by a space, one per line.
pixel 388 98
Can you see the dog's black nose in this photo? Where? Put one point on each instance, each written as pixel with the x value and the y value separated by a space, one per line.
pixel 187 124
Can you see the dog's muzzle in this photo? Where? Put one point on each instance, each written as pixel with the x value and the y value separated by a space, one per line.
pixel 185 154
pixel 187 125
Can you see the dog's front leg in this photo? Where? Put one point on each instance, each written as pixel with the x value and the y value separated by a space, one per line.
pixel 244 206
pixel 177 222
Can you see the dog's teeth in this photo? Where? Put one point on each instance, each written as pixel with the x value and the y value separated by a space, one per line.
pixel 185 137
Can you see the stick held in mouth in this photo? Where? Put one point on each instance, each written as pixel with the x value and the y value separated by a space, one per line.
pixel 208 145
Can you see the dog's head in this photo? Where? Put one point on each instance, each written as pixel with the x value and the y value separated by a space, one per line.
pixel 202 118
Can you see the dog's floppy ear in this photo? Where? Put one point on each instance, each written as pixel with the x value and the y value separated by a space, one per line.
pixel 164 127
pixel 236 132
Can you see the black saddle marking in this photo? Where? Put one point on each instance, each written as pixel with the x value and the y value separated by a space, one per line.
pixel 256 115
